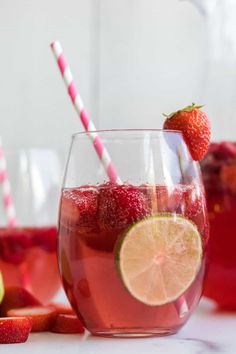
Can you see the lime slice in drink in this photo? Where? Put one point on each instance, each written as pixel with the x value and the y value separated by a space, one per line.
pixel 1 288
pixel 159 257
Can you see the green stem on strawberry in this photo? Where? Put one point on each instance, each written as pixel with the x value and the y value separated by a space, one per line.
pixel 189 108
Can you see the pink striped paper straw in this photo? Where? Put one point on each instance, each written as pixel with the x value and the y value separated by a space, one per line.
pixel 83 115
pixel 180 305
pixel 6 189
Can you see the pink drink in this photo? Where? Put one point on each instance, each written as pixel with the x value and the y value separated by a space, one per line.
pixel 219 175
pixel 28 260
pixel 92 219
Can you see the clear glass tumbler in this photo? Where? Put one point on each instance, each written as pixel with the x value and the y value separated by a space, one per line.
pixel 28 251
pixel 132 254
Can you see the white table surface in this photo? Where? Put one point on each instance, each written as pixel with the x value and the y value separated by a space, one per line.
pixel 207 331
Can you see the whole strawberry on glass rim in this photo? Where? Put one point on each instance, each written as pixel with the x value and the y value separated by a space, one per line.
pixel 195 127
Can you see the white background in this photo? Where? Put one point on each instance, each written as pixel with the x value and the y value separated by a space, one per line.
pixel 132 60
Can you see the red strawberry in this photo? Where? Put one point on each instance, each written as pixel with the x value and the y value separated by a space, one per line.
pixel 42 317
pixel 121 205
pixel 62 309
pixel 195 127
pixel 16 297
pixel 79 207
pixel 67 324
pixel 14 244
pixel 46 238
pixel 14 330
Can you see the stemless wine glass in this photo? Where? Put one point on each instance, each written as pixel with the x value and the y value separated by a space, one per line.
pixel 28 251
pixel 132 254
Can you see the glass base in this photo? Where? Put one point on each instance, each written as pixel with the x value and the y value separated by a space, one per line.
pixel 134 332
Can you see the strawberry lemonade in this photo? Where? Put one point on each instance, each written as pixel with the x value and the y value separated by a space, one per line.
pixel 132 249
pixel 128 253
pixel 27 254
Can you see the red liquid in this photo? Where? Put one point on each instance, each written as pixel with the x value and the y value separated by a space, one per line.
pixel 91 221
pixel 28 259
pixel 219 172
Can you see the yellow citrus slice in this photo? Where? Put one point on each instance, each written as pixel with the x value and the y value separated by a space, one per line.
pixel 159 258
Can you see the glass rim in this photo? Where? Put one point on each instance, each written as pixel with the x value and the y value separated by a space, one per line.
pixel 100 131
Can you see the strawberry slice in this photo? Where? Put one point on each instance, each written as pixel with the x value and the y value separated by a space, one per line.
pixel 62 309
pixel 67 324
pixel 14 329
pixel 14 244
pixel 16 297
pixel 42 316
pixel 121 205
pixel 79 207
pixel 46 238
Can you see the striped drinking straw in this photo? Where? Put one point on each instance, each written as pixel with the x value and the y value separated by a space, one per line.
pixel 11 214
pixel 180 304
pixel 83 115
pixel 6 190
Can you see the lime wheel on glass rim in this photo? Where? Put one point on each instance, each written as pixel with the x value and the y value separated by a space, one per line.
pixel 159 257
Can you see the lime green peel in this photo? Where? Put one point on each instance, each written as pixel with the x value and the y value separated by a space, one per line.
pixel 1 288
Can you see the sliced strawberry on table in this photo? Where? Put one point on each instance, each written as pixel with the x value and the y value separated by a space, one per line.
pixel 16 297
pixel 67 324
pixel 14 329
pixel 62 308
pixel 42 316
pixel 195 127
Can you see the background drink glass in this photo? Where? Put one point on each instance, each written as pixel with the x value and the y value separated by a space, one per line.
pixel 28 251
pixel 219 175
pixel 94 215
